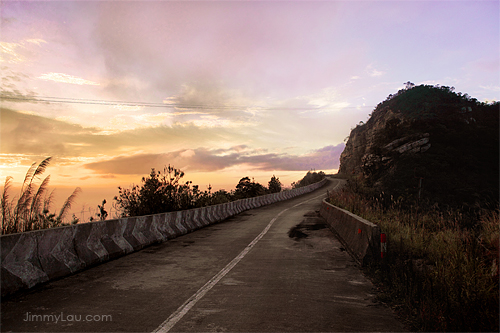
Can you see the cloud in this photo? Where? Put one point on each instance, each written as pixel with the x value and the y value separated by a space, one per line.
pixel 373 72
pixel 326 158
pixel 16 96
pixel 212 105
pixel 101 176
pixel 491 88
pixel 209 160
pixel 9 52
pixel 328 99
pixel 131 108
pixel 66 78
pixel 37 41
pixel 205 96
pixel 200 159
pixel 16 53
pixel 11 90
pixel 31 134
pixel 259 47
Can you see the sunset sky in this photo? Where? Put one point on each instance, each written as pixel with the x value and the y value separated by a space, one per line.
pixel 220 90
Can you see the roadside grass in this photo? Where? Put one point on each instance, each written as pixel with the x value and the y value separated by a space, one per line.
pixel 31 209
pixel 438 274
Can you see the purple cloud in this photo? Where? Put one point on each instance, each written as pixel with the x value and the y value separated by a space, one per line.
pixel 209 160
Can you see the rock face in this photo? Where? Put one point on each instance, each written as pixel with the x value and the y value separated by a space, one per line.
pixel 447 139
pixel 366 150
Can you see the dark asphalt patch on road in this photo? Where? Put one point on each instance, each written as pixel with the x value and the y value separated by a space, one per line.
pixel 312 221
pixel 296 233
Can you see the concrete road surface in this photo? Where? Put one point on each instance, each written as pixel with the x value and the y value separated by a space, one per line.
pixel 272 269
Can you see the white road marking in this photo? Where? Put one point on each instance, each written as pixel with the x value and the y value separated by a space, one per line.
pixel 184 308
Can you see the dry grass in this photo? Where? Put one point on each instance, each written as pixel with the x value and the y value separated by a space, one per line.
pixel 440 275
pixel 31 209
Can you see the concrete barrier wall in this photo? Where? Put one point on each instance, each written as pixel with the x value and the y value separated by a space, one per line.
pixel 31 258
pixel 360 237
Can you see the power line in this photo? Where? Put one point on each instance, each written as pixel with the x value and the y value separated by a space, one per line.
pixel 67 100
pixel 81 101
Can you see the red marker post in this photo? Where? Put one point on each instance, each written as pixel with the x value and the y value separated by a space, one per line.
pixel 383 245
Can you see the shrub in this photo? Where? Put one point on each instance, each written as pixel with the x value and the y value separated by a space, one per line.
pixel 160 192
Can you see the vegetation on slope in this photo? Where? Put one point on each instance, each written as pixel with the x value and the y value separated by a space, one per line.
pixel 439 208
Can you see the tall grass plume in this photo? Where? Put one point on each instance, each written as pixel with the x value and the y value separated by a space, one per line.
pixel 31 209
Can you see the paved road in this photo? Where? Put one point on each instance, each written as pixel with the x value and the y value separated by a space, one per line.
pixel 244 274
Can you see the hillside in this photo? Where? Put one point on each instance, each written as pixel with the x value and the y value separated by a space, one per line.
pixel 447 140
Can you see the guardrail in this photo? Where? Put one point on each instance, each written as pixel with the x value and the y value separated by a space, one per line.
pixel 31 258
pixel 360 237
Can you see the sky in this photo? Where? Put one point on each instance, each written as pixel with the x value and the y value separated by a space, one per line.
pixel 218 89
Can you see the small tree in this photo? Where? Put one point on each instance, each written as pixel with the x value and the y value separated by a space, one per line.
pixel 103 214
pixel 274 185
pixel 409 85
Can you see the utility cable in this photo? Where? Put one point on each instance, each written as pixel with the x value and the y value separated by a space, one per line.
pixel 48 99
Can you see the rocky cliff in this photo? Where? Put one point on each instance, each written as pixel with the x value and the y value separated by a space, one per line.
pixel 447 139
